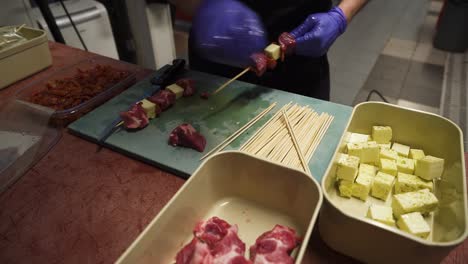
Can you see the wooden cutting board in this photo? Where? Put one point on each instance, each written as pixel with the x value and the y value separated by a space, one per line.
pixel 216 118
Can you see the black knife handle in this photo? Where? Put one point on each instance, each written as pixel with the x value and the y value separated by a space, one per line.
pixel 169 73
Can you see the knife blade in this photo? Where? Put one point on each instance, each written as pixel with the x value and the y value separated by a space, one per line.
pixel 159 82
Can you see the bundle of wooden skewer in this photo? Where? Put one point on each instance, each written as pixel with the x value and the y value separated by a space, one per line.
pixel 294 131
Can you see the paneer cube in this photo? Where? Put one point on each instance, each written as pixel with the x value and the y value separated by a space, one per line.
pixel 415 224
pixel 429 167
pixel 416 154
pixel 345 188
pixel 355 149
pixel 382 134
pixel 388 166
pixel 370 152
pixel 347 168
pixel 273 51
pixel 385 145
pixel 150 108
pixel 410 183
pixel 381 213
pixel 405 165
pixel 357 138
pixel 423 201
pixel 401 149
pixel 176 89
pixel 362 186
pixel 367 169
pixel 382 185
pixel 388 154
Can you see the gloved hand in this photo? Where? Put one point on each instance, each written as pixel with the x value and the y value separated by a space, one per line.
pixel 318 32
pixel 228 32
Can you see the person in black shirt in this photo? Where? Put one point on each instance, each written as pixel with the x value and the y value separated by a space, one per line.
pixel 225 33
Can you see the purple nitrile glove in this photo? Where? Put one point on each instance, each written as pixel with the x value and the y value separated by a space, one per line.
pixel 228 32
pixel 318 32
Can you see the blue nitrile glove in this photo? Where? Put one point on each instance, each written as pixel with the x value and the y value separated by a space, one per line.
pixel 228 32
pixel 318 32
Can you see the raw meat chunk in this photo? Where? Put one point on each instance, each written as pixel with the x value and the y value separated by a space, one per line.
pixel 186 136
pixel 205 95
pixel 261 63
pixel 163 98
pixel 196 252
pixel 274 246
pixel 135 117
pixel 287 43
pixel 215 242
pixel 188 85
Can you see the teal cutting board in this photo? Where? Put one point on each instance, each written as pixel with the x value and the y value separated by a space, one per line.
pixel 216 118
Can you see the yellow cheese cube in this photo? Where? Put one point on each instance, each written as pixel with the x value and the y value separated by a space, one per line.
pixel 382 134
pixel 367 169
pixel 388 166
pixel 415 224
pixel 355 149
pixel 405 165
pixel 388 154
pixel 422 201
pixel 345 188
pixel 385 145
pixel 416 154
pixel 179 91
pixel 273 51
pixel 357 138
pixel 347 168
pixel 361 187
pixel 382 185
pixel 410 183
pixel 429 167
pixel 381 213
pixel 370 152
pixel 149 107
pixel 401 149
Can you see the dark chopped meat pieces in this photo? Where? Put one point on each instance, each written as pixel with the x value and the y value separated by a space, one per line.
pixel 188 85
pixel 163 98
pixel 186 136
pixel 287 43
pixel 69 92
pixel 135 118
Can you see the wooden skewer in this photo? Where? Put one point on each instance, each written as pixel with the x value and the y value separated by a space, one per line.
pixel 230 81
pixel 241 130
pixel 296 144
pixel 261 129
pixel 19 28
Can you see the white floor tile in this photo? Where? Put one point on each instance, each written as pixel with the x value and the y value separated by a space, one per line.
pixel 400 48
pixel 428 54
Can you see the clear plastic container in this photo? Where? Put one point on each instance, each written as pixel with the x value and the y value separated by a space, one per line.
pixel 61 118
pixel 25 137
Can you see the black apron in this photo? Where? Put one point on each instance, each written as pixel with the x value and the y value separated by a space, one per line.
pixel 297 74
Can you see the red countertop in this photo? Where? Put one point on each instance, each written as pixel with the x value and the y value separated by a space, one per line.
pixel 79 206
